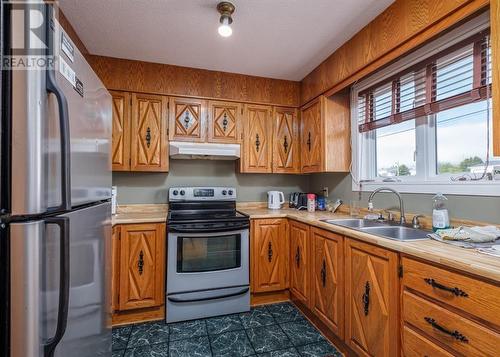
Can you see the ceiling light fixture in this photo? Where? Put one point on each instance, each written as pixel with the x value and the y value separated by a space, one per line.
pixel 225 9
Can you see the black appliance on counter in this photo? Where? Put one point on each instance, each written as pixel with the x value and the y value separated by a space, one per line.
pixel 298 200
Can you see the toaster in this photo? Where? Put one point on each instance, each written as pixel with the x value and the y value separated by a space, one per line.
pixel 298 200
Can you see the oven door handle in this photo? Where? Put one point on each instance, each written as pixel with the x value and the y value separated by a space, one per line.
pixel 174 229
pixel 223 296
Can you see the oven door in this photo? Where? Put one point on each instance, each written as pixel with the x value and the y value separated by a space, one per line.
pixel 205 261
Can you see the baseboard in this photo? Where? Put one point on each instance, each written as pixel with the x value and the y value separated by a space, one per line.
pixel 136 316
pixel 269 298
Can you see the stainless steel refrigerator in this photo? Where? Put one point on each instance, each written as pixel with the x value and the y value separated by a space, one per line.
pixel 55 189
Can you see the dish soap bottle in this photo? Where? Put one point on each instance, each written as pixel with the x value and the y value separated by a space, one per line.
pixel 440 216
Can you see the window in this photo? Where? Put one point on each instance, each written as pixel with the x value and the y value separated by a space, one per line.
pixel 425 121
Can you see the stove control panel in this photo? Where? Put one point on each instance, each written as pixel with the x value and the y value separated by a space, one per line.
pixel 202 194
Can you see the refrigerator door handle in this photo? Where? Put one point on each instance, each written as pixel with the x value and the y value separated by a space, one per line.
pixel 62 104
pixel 64 275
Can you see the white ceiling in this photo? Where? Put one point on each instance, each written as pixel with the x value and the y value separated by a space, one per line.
pixel 283 39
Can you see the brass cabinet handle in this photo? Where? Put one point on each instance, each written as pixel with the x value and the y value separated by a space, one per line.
pixel 225 122
pixel 323 273
pixel 285 145
pixel 140 263
pixel 297 257
pixel 270 252
pixel 455 291
pixel 257 142
pixel 187 119
pixel 148 136
pixel 309 141
pixel 455 334
pixel 366 298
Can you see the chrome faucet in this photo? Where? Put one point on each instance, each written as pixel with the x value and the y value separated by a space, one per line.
pixel 402 219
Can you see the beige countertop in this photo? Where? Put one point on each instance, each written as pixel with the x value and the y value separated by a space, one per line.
pixel 140 213
pixel 463 259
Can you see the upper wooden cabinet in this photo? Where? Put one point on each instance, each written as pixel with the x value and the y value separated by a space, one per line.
pixel 286 145
pixel 325 135
pixel 224 122
pixel 139 132
pixel 269 255
pixel 300 261
pixel 187 119
pixel 142 266
pixel 256 156
pixel 372 293
pixel 328 279
pixel 149 148
pixel 120 152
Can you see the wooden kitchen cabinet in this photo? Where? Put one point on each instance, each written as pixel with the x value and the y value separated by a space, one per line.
pixel 286 141
pixel 187 119
pixel 149 146
pixel 142 266
pixel 224 122
pixel 325 135
pixel 269 255
pixel 115 268
pixel 328 279
pixel 120 148
pixel 257 139
pixel 300 261
pixel 371 299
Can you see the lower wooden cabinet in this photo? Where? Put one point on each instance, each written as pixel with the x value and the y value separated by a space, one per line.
pixel 269 255
pixel 328 279
pixel 300 261
pixel 138 277
pixel 372 294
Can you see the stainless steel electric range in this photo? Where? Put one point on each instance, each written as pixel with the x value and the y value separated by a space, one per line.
pixel 208 254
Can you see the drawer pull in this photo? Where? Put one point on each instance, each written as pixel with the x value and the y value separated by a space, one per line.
pixel 366 298
pixel 455 291
pixel 323 273
pixel 455 334
pixel 140 263
pixel 270 252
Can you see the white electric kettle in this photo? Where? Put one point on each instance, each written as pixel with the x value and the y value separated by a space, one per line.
pixel 275 199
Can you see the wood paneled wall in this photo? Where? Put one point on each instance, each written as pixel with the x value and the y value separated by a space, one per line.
pixel 495 46
pixel 138 76
pixel 402 27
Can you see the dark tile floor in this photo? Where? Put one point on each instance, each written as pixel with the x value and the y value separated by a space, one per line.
pixel 278 330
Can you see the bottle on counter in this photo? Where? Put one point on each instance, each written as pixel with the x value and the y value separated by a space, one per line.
pixel 311 202
pixel 321 203
pixel 440 216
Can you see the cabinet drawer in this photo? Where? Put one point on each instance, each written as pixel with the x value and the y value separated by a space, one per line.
pixel 416 345
pixel 454 331
pixel 473 296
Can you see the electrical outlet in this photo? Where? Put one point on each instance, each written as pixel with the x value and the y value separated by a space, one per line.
pixel 325 192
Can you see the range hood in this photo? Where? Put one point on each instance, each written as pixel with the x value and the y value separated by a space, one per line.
pixel 184 150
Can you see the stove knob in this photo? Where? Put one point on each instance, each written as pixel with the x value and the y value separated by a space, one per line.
pixel 183 192
pixel 230 192
pixel 175 192
pixel 224 192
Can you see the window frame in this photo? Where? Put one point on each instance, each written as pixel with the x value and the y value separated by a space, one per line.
pixel 364 144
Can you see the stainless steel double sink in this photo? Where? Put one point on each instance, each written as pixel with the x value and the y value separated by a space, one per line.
pixel 383 229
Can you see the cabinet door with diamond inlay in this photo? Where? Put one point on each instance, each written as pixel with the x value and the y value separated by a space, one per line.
pixel 269 255
pixel 328 279
pixel 300 261
pixel 149 133
pixel 224 122
pixel 311 143
pixel 257 139
pixel 372 292
pixel 187 119
pixel 286 155
pixel 121 131
pixel 142 264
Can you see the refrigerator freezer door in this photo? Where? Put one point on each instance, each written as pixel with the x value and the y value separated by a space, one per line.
pixel 36 140
pixel 90 115
pixel 35 284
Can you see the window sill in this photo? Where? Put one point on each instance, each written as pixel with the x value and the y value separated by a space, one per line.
pixel 483 188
